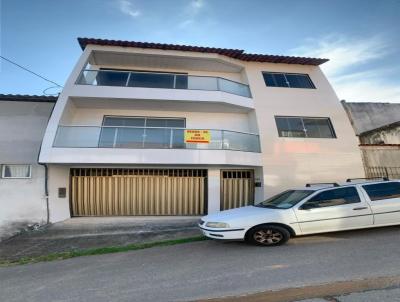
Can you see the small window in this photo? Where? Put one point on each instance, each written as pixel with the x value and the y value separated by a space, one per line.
pixel 16 171
pixel 288 80
pixel 383 190
pixel 335 197
pixel 311 127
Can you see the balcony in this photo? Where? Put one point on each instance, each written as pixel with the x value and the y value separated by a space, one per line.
pixel 151 138
pixel 161 80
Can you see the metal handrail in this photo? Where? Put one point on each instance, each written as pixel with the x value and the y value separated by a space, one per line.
pixel 173 128
pixel 218 79
pixel 171 73
pixel 249 143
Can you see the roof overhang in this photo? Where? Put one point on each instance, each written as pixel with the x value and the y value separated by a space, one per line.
pixel 238 54
pixel 28 98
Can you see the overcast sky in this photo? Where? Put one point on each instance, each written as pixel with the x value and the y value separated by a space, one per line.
pixel 361 38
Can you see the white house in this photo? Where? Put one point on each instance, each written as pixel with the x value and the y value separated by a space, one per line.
pixel 23 121
pixel 160 129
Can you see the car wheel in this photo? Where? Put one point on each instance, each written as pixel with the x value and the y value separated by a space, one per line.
pixel 268 235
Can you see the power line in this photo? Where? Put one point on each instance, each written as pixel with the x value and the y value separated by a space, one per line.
pixel 30 71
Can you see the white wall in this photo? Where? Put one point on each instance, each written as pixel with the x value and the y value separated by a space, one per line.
pixel 22 201
pixel 292 162
pixel 58 207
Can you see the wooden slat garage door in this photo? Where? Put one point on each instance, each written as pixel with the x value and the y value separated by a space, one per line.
pixel 125 192
pixel 237 188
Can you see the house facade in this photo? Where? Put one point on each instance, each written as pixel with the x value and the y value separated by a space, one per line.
pixel 377 126
pixel 160 129
pixel 23 121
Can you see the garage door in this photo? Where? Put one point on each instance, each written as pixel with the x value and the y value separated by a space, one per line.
pixel 124 192
pixel 237 188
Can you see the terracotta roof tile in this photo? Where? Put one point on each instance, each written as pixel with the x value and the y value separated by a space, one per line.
pixel 238 54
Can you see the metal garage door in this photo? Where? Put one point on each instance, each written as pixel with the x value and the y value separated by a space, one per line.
pixel 237 188
pixel 123 192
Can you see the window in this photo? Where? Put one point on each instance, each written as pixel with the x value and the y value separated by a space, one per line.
pixel 335 197
pixel 383 190
pixel 285 200
pixel 147 79
pixel 312 127
pixel 289 80
pixel 143 121
pixel 16 171
pixel 139 132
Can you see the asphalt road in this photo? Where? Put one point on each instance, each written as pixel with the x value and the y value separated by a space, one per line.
pixel 206 269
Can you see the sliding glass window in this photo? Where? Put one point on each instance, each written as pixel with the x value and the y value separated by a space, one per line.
pixel 139 132
pixel 311 127
pixel 288 80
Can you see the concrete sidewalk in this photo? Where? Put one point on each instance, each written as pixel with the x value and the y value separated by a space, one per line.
pixel 83 233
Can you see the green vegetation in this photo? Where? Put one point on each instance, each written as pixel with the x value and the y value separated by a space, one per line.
pixel 99 251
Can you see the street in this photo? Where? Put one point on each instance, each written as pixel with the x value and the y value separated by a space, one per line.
pixel 207 269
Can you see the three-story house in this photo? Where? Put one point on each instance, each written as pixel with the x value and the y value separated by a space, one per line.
pixel 160 129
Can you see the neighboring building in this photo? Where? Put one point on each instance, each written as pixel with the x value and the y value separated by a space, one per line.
pixel 160 129
pixel 377 126
pixel 23 121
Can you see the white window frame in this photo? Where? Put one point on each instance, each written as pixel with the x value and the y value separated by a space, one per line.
pixel 3 169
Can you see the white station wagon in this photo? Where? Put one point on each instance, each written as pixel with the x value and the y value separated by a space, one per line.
pixel 317 208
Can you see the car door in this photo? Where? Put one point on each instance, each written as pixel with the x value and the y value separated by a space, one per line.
pixel 334 210
pixel 384 199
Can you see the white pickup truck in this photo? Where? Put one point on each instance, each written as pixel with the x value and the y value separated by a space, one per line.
pixel 317 208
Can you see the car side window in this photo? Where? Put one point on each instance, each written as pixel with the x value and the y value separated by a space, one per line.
pixel 383 190
pixel 334 197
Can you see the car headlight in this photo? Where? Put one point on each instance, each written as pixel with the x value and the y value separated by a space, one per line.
pixel 217 225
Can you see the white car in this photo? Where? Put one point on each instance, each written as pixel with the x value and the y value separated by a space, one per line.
pixel 309 210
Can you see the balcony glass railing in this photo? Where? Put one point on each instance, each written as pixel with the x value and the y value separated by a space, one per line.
pixel 161 80
pixel 151 138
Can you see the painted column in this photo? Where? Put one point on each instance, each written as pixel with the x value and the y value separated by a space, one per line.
pixel 58 206
pixel 214 190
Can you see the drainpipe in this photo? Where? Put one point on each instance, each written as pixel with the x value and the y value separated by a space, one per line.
pixel 46 191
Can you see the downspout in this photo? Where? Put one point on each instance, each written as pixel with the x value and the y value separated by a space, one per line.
pixel 46 174
pixel 46 191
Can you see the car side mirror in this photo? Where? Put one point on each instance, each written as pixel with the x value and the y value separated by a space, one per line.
pixel 306 207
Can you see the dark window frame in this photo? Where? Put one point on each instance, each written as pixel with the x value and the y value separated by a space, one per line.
pixel 312 85
pixel 302 118
pixel 329 190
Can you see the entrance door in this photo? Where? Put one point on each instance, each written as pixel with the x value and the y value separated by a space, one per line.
pixel 237 188
pixel 125 192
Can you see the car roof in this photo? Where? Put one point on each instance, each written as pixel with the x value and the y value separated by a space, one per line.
pixel 318 187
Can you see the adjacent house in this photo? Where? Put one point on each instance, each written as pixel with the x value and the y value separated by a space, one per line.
pixel 161 129
pixel 377 126
pixel 23 121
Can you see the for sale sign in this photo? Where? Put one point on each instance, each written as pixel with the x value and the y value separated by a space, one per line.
pixel 197 136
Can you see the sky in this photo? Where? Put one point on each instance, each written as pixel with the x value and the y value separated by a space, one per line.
pixel 361 38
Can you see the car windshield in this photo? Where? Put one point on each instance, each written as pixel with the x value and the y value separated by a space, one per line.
pixel 285 200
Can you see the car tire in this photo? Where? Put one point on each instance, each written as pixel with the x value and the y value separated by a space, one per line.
pixel 268 235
